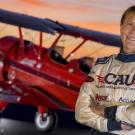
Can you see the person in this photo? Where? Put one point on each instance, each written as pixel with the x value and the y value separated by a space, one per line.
pixel 57 53
pixel 106 101
pixel 85 63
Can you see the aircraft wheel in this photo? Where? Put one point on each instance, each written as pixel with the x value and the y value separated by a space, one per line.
pixel 46 122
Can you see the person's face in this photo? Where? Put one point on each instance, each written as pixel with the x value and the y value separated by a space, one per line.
pixel 127 30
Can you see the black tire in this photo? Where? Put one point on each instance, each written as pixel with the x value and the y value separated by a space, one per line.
pixel 48 123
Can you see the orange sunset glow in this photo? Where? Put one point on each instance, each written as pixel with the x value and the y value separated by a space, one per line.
pixel 100 15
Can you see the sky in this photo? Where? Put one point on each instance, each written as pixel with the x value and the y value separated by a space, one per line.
pixel 100 15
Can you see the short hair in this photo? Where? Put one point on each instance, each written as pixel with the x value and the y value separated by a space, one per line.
pixel 129 10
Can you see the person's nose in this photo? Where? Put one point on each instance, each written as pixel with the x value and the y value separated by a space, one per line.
pixel 132 31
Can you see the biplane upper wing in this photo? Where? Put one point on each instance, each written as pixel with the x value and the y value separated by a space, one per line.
pixel 102 37
pixel 50 26
pixel 26 21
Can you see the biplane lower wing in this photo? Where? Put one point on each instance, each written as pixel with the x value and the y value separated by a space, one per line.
pixel 18 93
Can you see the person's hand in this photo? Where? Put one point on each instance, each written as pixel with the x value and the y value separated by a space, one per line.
pixel 98 109
pixel 127 126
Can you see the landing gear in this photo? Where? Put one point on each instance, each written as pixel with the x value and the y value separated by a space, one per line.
pixel 47 121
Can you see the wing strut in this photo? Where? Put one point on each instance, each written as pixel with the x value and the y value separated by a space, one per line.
pixel 74 50
pixel 40 46
pixel 54 43
pixel 21 36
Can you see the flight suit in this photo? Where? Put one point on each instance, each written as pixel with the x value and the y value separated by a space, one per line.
pixel 112 85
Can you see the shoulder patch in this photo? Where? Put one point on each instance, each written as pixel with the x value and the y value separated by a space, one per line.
pixel 103 60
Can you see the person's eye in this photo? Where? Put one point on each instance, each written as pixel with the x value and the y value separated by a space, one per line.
pixel 129 23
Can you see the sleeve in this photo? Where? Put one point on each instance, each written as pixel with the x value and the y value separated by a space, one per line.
pixel 83 113
pixel 110 112
pixel 126 113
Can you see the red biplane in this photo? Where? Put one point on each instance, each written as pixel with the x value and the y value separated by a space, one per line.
pixel 34 75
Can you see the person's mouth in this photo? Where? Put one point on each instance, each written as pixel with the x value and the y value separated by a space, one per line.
pixel 131 38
